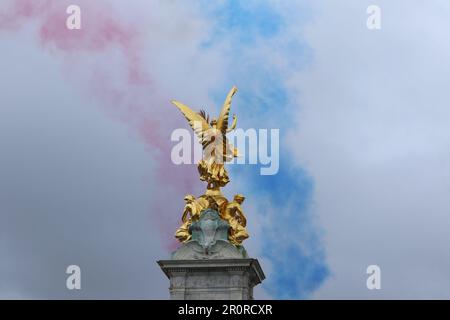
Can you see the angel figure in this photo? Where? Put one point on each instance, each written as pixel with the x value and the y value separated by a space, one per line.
pixel 212 136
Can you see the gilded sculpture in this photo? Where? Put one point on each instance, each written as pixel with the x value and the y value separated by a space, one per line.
pixel 216 152
pixel 191 213
pixel 235 217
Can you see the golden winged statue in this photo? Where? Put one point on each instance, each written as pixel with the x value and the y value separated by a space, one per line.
pixel 216 152
pixel 212 133
pixel 216 148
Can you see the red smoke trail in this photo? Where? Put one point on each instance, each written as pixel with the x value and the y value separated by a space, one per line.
pixel 135 99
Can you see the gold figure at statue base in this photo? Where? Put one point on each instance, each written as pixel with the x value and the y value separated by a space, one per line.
pixel 216 152
pixel 191 213
pixel 235 217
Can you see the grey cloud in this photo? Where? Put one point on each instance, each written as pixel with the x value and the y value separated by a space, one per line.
pixel 72 190
pixel 374 134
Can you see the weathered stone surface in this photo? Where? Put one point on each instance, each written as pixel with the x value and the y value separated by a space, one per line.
pixel 219 250
pixel 209 267
pixel 209 240
pixel 212 279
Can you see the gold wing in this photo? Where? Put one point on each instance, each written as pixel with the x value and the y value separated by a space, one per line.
pixel 222 122
pixel 196 121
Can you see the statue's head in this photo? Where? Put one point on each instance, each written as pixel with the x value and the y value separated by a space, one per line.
pixel 239 198
pixel 213 123
pixel 189 198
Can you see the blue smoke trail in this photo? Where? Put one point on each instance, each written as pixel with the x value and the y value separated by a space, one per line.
pixel 292 242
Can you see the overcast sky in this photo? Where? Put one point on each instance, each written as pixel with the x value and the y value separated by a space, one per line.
pixel 85 123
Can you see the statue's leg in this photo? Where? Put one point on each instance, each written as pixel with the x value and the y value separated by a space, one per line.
pixel 182 233
pixel 240 233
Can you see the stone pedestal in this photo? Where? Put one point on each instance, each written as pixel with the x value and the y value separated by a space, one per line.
pixel 212 279
pixel 209 267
